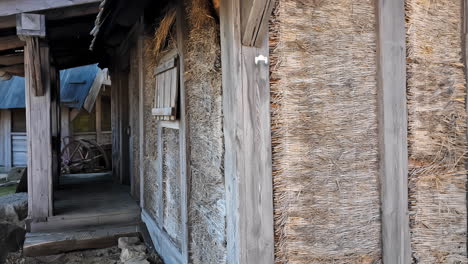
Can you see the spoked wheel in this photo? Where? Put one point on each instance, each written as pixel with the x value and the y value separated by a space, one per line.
pixel 84 156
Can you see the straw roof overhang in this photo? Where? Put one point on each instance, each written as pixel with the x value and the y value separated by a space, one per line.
pixel 116 20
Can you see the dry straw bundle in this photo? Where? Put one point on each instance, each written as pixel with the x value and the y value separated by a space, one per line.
pixel 437 127
pixel 163 39
pixel 324 132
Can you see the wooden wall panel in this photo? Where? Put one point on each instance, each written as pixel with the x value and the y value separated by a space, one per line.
pixel 247 135
pixel 393 131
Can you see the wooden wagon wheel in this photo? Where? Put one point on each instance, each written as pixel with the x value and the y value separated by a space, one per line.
pixel 84 156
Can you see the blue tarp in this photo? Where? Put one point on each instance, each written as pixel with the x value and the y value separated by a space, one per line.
pixel 74 88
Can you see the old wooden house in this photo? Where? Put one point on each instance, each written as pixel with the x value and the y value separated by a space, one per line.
pixel 85 111
pixel 257 131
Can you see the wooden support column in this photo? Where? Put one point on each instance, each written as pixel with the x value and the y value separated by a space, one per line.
pixel 5 138
pixel 396 246
pixel 246 107
pixel 42 118
pixel 98 120
pixel 65 125
pixel 39 130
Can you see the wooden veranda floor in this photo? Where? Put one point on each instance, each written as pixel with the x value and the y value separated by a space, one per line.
pixel 84 200
pixel 90 211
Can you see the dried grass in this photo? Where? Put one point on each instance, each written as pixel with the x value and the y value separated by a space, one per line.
pixel 163 40
pixel 437 127
pixel 324 132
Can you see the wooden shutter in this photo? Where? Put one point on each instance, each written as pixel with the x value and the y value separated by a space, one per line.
pixel 167 88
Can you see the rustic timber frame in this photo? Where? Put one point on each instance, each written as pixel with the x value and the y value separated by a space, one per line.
pixel 161 239
pixel 247 133
pixel 393 131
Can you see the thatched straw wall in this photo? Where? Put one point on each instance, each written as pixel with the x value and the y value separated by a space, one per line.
pixel 437 124
pixel 151 135
pixel 324 132
pixel 171 184
pixel 204 93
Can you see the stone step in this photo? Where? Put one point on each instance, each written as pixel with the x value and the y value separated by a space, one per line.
pixel 50 243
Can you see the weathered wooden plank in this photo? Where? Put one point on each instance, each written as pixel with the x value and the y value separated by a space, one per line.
pixel 30 25
pixel 2 137
pixel 255 16
pixel 256 185
pixel 17 69
pixel 115 115
pixel 98 120
pixel 55 14
pixel 40 244
pixel 165 111
pixel 162 241
pixel 233 124
pixel 65 125
pixel 6 116
pixel 12 59
pixel 11 42
pixel 141 87
pixel 125 130
pixel 167 65
pixel 141 94
pixel 94 91
pixel 393 131
pixel 39 124
pixel 175 91
pixel 11 7
pixel 19 149
pixel 248 176
pixel 184 132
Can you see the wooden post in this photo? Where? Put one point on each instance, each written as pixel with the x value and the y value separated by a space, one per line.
pixel 39 130
pixel 393 131
pixel 42 116
pixel 141 124
pixel 7 137
pixel 184 132
pixel 65 125
pixel 248 173
pixel 98 120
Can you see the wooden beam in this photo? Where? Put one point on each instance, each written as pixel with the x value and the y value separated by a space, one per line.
pixel 12 7
pixel 248 173
pixel 12 59
pixel 11 42
pixel 17 69
pixel 255 16
pixel 55 14
pixel 94 91
pixel 393 129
